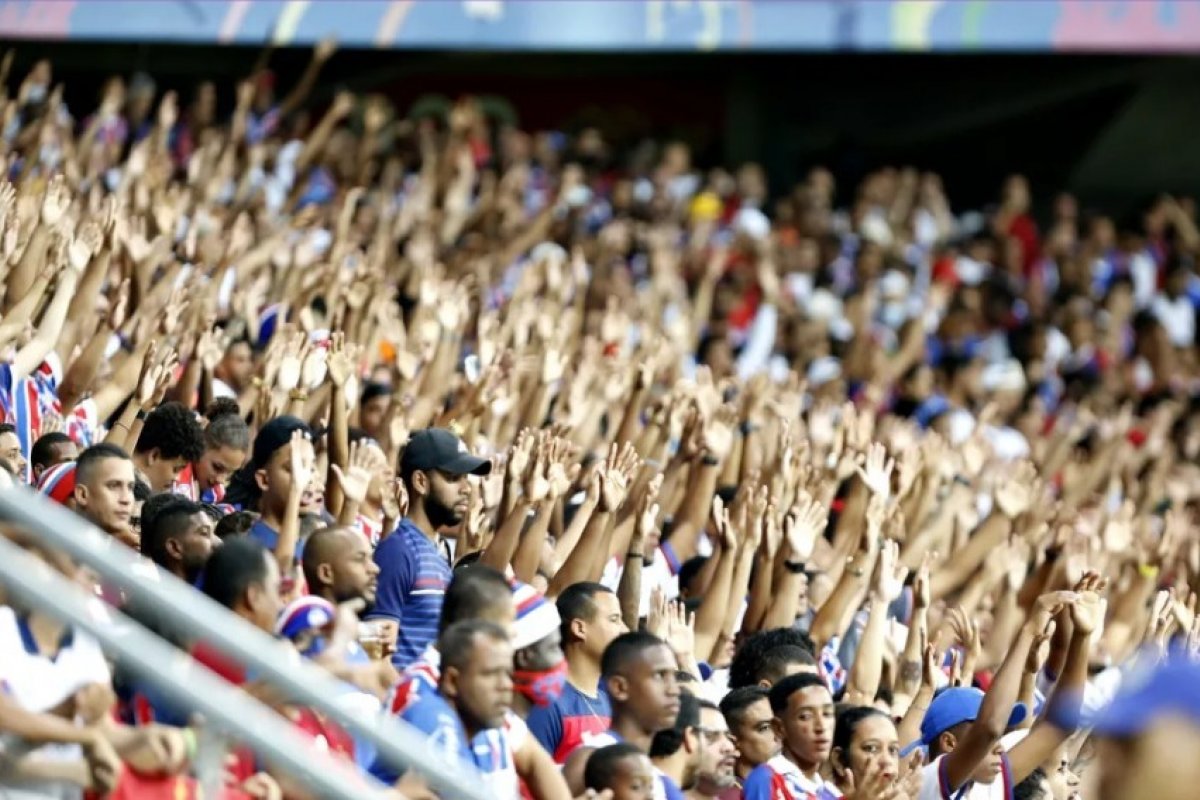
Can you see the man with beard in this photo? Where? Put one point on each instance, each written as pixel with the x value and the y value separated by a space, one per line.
pixel 718 756
pixel 413 572
pixel 179 538
pixel 338 566
pixel 675 751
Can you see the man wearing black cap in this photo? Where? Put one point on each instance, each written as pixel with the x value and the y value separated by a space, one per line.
pixel 413 573
pixel 273 483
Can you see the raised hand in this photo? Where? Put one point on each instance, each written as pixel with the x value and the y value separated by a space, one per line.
pixel 118 310
pixel 79 253
pixel 1017 490
pixel 302 461
pixel 722 525
pixel 648 512
pixel 1039 651
pixel 929 666
pixel 1118 532
pixel 717 435
pixel 56 201
pixel 52 422
pixel 338 362
pixel 394 500
pixel 619 471
pixel 171 315
pixel 681 633
pixel 535 484
pixel 922 596
pixel 554 364
pixel 889 573
pixel 325 49
pixel 966 632
pixel 656 618
pixel 1162 621
pixel 356 479
pixel 476 524
pixel 871 785
pixel 343 104
pixel 876 473
pixel 314 368
pixel 907 784
pixel 1087 611
pixel 168 111
pixel 520 455
pixel 291 362
pixel 157 374
pixel 1047 608
pixel 805 522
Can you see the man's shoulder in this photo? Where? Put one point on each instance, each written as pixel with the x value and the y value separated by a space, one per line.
pixel 427 710
pixel 935 785
pixel 760 781
pixel 399 548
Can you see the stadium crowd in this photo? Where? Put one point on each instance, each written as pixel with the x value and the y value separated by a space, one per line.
pixel 609 474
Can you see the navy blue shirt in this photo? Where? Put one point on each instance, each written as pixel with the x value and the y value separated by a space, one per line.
pixel 270 537
pixel 413 576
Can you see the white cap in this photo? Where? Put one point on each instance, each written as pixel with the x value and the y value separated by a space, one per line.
pixel 874 228
pixel 1005 376
pixel 752 222
pixel 824 305
pixel 894 284
pixel 823 370
pixel 970 272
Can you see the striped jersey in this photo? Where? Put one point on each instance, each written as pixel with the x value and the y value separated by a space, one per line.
pixel 570 721
pixel 416 700
pixel 186 485
pixel 781 779
pixel 413 576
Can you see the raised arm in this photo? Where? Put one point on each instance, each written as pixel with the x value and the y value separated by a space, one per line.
pixel 1061 716
pixel 981 737
pixel 868 662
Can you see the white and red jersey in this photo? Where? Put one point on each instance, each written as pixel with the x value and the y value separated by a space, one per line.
pixel 781 779
pixel 372 529
pixel 936 786
pixel 186 485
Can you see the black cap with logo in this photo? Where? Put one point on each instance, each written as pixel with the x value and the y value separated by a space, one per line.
pixel 439 449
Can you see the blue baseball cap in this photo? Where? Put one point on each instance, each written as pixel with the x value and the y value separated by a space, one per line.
pixel 952 706
pixel 1172 689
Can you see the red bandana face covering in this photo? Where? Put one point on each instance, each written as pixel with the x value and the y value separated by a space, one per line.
pixel 541 686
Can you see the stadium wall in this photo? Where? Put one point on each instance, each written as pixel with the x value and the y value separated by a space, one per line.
pixel 629 25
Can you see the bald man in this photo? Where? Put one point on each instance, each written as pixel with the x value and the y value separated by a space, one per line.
pixel 338 566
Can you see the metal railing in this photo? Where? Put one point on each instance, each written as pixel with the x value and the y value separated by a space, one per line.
pixel 35 584
pixel 191 612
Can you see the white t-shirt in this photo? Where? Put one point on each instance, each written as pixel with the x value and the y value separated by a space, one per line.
pixel 1178 316
pixel 656 573
pixel 38 683
pixel 934 785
